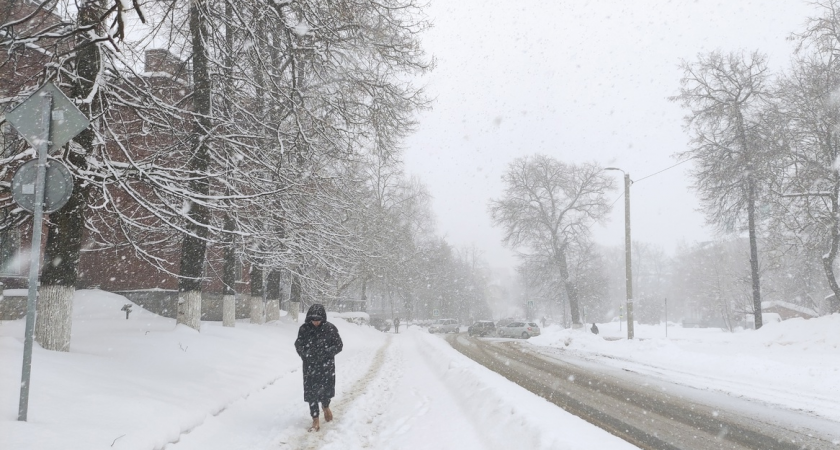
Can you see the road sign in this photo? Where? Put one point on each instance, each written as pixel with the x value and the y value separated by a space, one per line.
pixel 57 189
pixel 47 120
pixel 66 119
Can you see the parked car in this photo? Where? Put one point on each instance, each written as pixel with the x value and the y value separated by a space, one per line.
pixel 504 322
pixel 522 330
pixel 482 328
pixel 380 324
pixel 445 326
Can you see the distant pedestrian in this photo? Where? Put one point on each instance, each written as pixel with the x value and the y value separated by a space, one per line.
pixel 317 344
pixel 594 328
pixel 397 325
pixel 543 321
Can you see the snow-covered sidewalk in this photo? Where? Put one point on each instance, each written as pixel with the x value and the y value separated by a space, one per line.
pixel 794 364
pixel 144 383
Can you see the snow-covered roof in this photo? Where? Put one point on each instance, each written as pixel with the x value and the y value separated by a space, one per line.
pixel 790 306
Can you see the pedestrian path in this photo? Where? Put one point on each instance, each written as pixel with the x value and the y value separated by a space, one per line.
pixel 387 397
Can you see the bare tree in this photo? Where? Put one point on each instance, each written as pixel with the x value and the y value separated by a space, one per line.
pixel 809 182
pixel 725 95
pixel 548 206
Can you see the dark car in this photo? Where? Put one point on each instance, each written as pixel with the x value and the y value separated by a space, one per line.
pixel 380 324
pixel 482 328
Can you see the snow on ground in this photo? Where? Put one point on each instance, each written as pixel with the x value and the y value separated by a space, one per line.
pixel 145 383
pixel 794 364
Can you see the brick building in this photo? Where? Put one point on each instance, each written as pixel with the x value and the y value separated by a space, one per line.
pixel 115 268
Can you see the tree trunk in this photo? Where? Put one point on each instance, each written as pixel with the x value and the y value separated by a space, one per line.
pixel 229 276
pixel 195 245
pixel 52 329
pixel 189 309
pixel 272 310
pixel 257 309
pixel 257 301
pixel 229 256
pixel 228 310
pixel 756 288
pixel 294 297
pixel 272 296
pixel 66 229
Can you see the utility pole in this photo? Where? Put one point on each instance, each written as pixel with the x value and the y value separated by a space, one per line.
pixel 627 245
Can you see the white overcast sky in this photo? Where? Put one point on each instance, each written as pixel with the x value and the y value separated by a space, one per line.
pixel 579 81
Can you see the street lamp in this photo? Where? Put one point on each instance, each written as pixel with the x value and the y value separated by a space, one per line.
pixel 627 244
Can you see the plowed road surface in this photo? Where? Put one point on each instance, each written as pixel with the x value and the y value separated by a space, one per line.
pixel 650 413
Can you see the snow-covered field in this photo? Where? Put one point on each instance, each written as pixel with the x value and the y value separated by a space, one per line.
pixel 794 364
pixel 144 383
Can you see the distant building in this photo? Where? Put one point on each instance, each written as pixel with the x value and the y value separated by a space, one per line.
pixel 787 310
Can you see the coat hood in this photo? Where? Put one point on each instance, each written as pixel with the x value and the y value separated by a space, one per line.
pixel 316 310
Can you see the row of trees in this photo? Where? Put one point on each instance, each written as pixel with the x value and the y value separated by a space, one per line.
pixel 711 282
pixel 765 146
pixel 765 149
pixel 276 143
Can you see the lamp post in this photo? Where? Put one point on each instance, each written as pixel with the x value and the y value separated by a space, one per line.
pixel 627 244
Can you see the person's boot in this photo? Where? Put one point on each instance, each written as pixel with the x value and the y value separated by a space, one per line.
pixel 327 414
pixel 316 424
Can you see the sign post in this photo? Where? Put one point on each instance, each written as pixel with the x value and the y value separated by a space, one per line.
pixel 47 120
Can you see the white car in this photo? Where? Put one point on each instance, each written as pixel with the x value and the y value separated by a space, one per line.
pixel 522 330
pixel 445 326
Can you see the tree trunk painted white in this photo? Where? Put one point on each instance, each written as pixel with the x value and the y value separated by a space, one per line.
pixel 294 310
pixel 272 310
pixel 189 309
pixel 257 310
pixel 53 319
pixel 229 311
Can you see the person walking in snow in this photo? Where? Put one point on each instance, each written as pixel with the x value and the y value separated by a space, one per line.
pixel 397 325
pixel 594 328
pixel 317 344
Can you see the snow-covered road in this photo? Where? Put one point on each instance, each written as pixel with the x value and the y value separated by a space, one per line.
pixel 652 412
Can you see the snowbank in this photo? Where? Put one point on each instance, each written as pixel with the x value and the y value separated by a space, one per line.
pixel 512 416
pixel 141 382
pixel 794 363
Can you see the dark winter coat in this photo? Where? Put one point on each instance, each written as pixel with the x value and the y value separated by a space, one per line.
pixel 317 347
pixel 594 328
